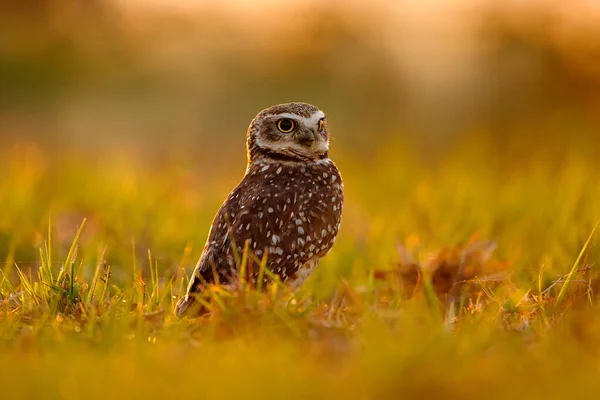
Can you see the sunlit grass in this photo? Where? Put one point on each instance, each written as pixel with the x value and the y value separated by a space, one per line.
pixel 96 253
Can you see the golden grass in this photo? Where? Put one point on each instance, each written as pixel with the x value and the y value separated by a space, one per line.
pixel 412 302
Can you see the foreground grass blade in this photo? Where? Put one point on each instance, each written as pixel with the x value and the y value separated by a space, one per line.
pixel 563 289
pixel 72 250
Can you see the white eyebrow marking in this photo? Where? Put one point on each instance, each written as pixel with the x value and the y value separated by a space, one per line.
pixel 312 121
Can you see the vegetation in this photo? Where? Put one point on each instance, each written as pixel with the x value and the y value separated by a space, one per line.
pixel 462 275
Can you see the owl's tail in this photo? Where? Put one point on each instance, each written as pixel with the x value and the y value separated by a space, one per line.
pixel 188 305
pixel 182 307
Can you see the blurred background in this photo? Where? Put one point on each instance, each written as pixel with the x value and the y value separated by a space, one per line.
pixel 104 73
pixel 115 87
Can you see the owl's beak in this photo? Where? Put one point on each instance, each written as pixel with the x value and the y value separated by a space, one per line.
pixel 306 137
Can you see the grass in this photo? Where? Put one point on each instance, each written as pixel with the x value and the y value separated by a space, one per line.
pixel 413 301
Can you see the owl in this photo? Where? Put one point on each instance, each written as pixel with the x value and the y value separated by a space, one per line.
pixel 287 208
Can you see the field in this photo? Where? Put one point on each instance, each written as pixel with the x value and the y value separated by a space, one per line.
pixel 469 273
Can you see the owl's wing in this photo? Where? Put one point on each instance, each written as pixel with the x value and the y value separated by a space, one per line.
pixel 235 222
pixel 277 215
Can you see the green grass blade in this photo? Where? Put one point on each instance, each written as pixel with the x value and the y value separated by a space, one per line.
pixel 69 260
pixel 563 289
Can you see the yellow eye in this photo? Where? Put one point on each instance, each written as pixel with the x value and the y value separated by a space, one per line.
pixel 285 125
pixel 321 123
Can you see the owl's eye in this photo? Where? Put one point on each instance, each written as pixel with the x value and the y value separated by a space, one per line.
pixel 321 124
pixel 285 125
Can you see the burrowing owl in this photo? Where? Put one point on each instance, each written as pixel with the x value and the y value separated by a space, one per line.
pixel 289 203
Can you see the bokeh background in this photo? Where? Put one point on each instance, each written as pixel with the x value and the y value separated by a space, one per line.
pixel 153 74
pixel 132 114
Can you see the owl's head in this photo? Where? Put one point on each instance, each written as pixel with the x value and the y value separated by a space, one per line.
pixel 291 131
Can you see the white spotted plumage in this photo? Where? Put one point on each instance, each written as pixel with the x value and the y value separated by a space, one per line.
pixel 289 203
